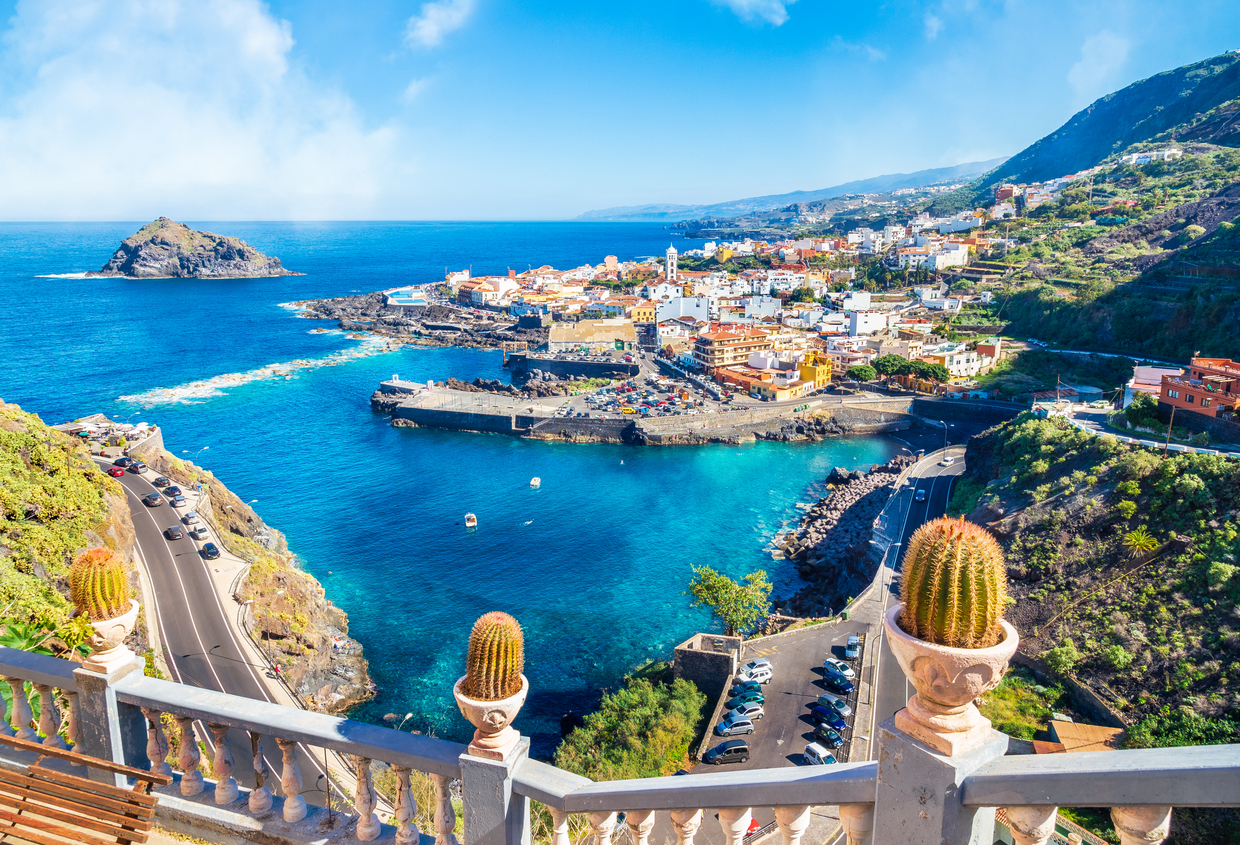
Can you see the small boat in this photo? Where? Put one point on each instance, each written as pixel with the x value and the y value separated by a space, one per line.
pixel 471 521
pixel 536 482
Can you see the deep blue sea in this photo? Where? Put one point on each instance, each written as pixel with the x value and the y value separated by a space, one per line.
pixel 594 564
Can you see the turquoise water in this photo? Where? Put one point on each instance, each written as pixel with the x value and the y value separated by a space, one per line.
pixel 594 563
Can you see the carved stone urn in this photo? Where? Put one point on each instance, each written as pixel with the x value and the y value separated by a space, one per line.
pixel 108 651
pixel 942 713
pixel 494 737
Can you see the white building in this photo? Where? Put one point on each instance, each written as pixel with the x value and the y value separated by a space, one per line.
pixel 697 307
pixel 862 323
pixel 670 268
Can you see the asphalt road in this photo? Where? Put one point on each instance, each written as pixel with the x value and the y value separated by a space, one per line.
pixel 200 647
pixel 893 689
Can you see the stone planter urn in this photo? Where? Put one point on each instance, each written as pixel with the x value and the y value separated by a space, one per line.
pixel 108 651
pixel 942 713
pixel 494 737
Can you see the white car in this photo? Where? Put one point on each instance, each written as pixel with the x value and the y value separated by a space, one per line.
pixel 816 755
pixel 199 532
pixel 758 675
pixel 948 461
pixel 839 666
pixel 755 663
pixel 190 518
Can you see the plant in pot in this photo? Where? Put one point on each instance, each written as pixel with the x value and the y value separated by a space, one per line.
pixel 492 690
pixel 948 633
pixel 99 589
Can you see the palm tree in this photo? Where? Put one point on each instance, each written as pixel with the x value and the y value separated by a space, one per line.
pixel 1139 542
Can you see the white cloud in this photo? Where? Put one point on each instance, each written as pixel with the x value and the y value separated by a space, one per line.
pixel 190 108
pixel 415 88
pixel 934 25
pixel 1095 73
pixel 774 12
pixel 438 18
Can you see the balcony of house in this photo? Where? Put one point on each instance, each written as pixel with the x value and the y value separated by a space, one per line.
pixel 84 744
pixel 1210 395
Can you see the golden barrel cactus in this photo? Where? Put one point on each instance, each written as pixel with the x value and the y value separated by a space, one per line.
pixel 954 585
pixel 496 658
pixel 99 584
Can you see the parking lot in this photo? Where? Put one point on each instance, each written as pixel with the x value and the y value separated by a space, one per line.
pixel 780 736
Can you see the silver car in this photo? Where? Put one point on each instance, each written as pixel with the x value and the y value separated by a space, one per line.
pixel 734 727
pixel 750 710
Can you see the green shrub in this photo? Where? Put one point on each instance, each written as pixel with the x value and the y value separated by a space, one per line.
pixel 1062 659
pixel 1126 509
pixel 1128 488
pixel 1218 574
pixel 1117 657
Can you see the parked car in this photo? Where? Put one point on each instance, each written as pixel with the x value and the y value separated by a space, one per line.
pixel 751 710
pixel 172 491
pixel 750 697
pixel 152 500
pixel 760 674
pixel 837 683
pixel 174 532
pixel 732 751
pixel 746 686
pixel 122 462
pixel 137 467
pixel 116 472
pixel 754 664
pixel 161 481
pixel 210 551
pixel 829 737
pixel 919 496
pixel 734 727
pixel 190 517
pixel 948 461
pixel 816 755
pixel 199 532
pixel 836 703
pixel 852 649
pixel 178 502
pixel 825 716
pixel 839 666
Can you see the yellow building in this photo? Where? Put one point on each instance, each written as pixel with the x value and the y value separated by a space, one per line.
pixel 643 312
pixel 816 370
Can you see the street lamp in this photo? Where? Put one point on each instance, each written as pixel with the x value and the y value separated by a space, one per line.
pixel 401 726
pixel 196 454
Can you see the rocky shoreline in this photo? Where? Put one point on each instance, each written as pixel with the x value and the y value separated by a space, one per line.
pixel 831 542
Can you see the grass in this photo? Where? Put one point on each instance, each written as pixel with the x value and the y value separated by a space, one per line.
pixel 1020 706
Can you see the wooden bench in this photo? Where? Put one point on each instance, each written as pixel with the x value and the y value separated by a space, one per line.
pixel 46 807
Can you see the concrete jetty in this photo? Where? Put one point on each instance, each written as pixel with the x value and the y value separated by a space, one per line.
pixel 430 406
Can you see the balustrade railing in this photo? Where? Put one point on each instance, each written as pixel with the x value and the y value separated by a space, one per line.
pixel 1141 786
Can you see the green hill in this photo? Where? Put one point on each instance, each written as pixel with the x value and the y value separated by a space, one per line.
pixel 1195 100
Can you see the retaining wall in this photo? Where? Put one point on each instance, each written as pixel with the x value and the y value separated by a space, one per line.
pixel 457 420
pixel 1224 431
pixel 967 410
pixel 521 363
pixel 586 430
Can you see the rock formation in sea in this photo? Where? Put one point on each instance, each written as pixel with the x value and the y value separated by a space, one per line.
pixel 167 249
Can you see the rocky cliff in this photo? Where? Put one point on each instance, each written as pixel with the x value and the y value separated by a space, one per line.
pixel 167 249
pixel 307 635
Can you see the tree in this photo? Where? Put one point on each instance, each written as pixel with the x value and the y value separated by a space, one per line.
pixel 802 295
pixel 738 605
pixel 861 372
pixel 890 365
pixel 937 373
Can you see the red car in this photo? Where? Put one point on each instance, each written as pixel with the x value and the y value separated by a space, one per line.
pixel 116 472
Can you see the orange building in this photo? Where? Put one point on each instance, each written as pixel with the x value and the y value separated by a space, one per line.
pixel 1211 386
pixel 713 350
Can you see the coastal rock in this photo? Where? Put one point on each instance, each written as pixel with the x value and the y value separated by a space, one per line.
pixel 167 249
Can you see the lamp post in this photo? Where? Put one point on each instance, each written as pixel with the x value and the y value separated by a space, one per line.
pixel 401 726
pixel 196 454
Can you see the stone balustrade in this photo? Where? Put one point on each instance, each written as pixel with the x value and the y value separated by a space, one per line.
pixel 910 794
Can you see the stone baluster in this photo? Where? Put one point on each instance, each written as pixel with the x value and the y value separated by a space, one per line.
pixel 858 823
pixel 364 800
pixel 735 823
pixel 260 795
pixel 188 757
pixel 602 824
pixel 407 832
pixel 74 724
pixel 640 823
pixel 445 815
pixel 49 716
pixel 290 782
pixel 792 821
pixel 20 715
pixel 559 827
pixel 1146 825
pixel 226 791
pixel 1031 825
pixel 686 823
pixel 156 742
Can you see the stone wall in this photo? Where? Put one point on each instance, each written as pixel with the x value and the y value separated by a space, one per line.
pixel 967 410
pixel 1223 431
pixel 1084 699
pixel 150 447
pixel 709 661
pixel 455 420
pixel 520 364
pixel 582 430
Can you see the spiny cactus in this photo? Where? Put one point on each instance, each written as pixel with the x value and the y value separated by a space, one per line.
pixel 496 658
pixel 99 584
pixel 955 585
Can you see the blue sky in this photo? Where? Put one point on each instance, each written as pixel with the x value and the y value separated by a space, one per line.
pixel 499 109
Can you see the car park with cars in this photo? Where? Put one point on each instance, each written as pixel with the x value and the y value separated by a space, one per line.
pixel 750 697
pixel 733 727
pixel 732 751
pixel 752 711
pixel 759 674
pixel 852 648
pixel 839 666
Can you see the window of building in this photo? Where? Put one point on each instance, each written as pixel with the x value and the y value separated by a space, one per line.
pixel 1174 394
pixel 1188 397
pixel 1205 401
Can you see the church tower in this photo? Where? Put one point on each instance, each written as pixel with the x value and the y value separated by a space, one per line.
pixel 671 263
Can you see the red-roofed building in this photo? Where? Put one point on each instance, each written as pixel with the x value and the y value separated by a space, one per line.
pixel 1211 387
pixel 716 349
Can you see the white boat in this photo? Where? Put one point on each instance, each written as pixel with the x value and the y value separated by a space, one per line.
pixel 536 482
pixel 471 521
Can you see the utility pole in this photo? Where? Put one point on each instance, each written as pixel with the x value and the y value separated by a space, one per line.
pixel 1167 443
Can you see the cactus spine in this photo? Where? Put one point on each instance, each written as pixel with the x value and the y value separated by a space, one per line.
pixel 955 585
pixel 99 584
pixel 496 658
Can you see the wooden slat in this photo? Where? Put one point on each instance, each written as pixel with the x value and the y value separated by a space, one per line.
pixel 55 805
pixel 87 798
pixel 13 835
pixel 132 830
pixel 32 823
pixel 93 787
pixel 135 817
pixel 84 759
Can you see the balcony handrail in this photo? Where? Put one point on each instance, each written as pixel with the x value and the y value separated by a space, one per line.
pixel 38 668
pixel 423 753
pixel 842 783
pixel 1197 776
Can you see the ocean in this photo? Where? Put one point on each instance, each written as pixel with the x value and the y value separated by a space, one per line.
pixel 594 564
